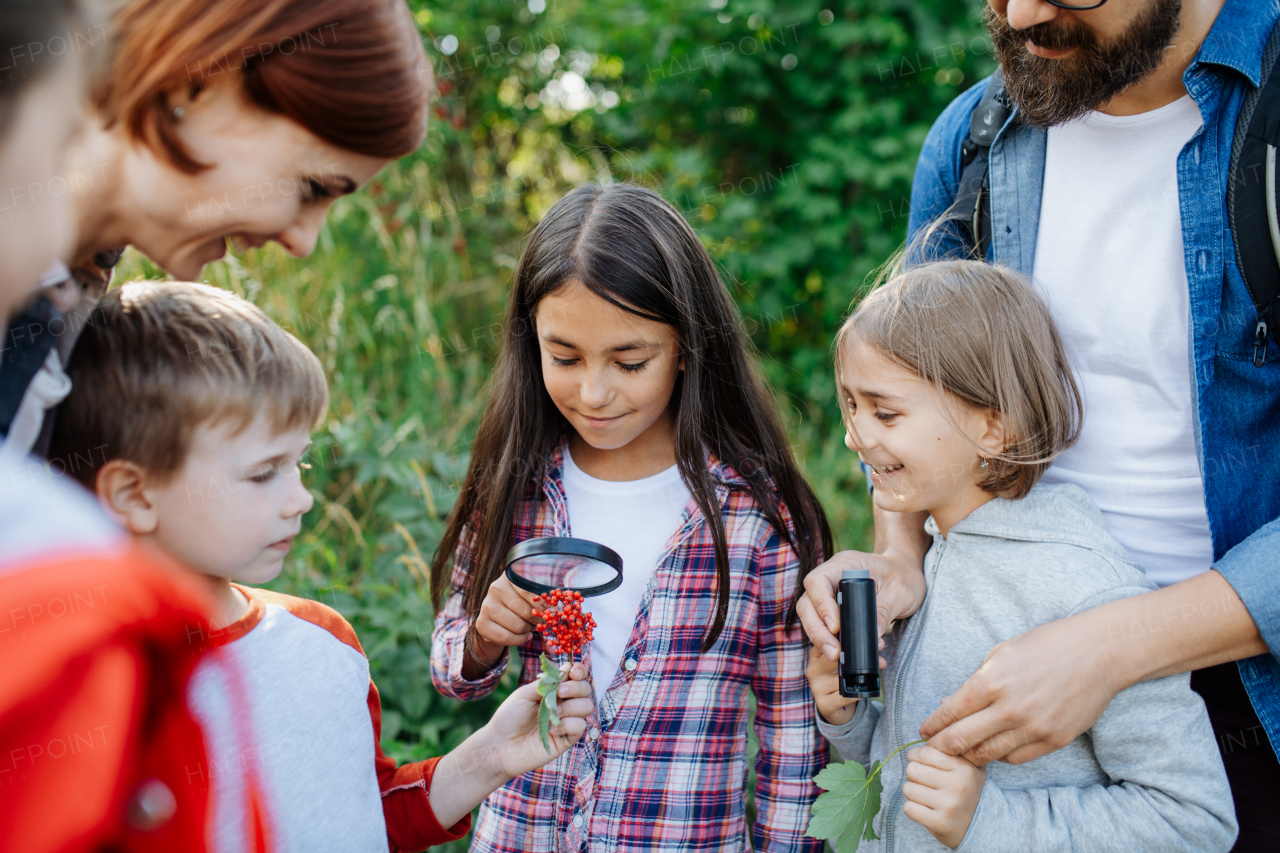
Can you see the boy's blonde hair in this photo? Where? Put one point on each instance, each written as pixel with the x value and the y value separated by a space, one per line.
pixel 157 359
pixel 980 333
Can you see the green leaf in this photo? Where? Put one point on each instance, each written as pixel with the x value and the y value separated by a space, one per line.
pixel 551 678
pixel 552 675
pixel 845 811
pixel 544 725
pixel 553 708
pixel 549 707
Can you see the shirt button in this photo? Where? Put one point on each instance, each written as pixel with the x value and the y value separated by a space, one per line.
pixel 577 820
pixel 594 733
pixel 630 665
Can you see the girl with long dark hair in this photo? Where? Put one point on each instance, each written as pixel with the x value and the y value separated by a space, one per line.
pixel 626 408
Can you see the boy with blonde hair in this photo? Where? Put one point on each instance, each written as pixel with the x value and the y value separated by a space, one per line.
pixel 189 417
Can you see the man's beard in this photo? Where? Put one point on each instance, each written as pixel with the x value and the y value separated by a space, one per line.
pixel 1055 91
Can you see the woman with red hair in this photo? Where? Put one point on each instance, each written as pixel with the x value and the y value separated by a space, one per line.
pixel 244 119
pixel 213 121
pixel 216 122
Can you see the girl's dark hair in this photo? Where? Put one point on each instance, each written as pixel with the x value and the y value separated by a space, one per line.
pixel 630 247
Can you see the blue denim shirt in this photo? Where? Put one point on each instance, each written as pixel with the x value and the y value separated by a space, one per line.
pixel 1238 404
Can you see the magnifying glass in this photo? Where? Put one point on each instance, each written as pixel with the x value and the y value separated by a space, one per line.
pixel 559 562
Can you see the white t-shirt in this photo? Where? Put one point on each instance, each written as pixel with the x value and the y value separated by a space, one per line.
pixel 636 518
pixel 1109 263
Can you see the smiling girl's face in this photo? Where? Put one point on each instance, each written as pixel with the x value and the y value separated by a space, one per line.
pixel 611 374
pixel 922 457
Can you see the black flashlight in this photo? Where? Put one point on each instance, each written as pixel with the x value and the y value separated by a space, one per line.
pixel 859 652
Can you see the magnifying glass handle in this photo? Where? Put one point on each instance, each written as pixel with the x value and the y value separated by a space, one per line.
pixel 859 653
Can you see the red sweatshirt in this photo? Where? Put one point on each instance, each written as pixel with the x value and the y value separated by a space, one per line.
pixel 98 640
pixel 95 734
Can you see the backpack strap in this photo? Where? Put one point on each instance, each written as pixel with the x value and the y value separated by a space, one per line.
pixel 23 350
pixel 1252 196
pixel 971 210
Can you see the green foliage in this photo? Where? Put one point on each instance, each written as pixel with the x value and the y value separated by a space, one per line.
pixel 548 708
pixel 786 132
pixel 850 801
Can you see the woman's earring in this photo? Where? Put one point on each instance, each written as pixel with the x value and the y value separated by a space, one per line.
pixel 178 111
pixel 984 462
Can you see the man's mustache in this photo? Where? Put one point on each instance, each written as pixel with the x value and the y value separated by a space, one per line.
pixel 1053 36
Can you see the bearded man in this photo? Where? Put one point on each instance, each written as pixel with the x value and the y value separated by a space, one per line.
pixel 1108 183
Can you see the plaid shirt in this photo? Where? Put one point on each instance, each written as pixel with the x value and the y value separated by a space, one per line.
pixel 664 763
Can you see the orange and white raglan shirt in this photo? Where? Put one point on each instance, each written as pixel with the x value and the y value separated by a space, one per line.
pixel 315 719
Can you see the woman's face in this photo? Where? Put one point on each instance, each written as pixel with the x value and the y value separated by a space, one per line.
pixel 271 179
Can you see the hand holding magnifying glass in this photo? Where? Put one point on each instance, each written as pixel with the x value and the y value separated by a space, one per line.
pixel 561 572
pixel 536 567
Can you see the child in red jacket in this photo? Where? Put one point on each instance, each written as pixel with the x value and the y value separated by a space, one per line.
pixel 94 725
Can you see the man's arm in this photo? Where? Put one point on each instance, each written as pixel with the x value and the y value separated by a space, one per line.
pixel 1039 691
pixel 1163 787
pixel 937 179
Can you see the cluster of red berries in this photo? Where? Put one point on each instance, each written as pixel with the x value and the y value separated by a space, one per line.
pixel 566 629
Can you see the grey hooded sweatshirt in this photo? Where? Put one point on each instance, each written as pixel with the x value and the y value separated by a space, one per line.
pixel 1146 777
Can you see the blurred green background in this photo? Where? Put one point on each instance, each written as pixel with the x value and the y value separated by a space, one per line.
pixel 787 133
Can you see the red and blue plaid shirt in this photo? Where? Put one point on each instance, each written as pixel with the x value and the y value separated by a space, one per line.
pixel 664 763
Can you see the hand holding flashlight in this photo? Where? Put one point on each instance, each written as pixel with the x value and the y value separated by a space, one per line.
pixel 859 636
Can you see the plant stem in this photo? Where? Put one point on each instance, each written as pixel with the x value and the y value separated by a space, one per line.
pixel 891 755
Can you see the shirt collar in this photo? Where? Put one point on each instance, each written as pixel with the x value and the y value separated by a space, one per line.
pixel 246 623
pixel 1238 37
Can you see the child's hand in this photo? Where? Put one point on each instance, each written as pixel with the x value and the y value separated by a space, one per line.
pixel 514 727
pixel 506 619
pixel 824 681
pixel 942 792
pixel 507 746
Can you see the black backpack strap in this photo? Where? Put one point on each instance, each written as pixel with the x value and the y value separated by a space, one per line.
pixel 1252 195
pixel 971 210
pixel 26 344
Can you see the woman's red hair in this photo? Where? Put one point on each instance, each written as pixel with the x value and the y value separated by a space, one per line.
pixel 353 72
